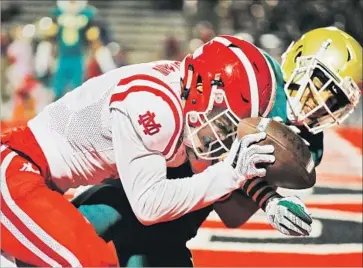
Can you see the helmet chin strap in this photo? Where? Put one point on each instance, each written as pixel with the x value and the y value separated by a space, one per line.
pixel 189 140
pixel 293 114
pixel 290 115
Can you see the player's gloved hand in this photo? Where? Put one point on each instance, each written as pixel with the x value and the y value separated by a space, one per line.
pixel 244 155
pixel 289 215
pixel 292 127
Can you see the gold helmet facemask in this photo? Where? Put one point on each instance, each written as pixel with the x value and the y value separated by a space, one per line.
pixel 317 96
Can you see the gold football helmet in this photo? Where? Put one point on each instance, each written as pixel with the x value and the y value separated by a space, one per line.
pixel 323 75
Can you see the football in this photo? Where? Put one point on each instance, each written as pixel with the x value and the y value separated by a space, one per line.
pixel 294 166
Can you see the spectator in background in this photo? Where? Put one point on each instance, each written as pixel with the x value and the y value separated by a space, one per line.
pixel 100 60
pixel 172 49
pixel 28 95
pixel 118 53
pixel 45 57
pixel 204 31
pixel 30 98
pixel 73 18
pixel 287 20
pixel 20 56
pixel 5 41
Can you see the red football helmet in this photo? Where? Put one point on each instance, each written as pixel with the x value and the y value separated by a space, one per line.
pixel 224 81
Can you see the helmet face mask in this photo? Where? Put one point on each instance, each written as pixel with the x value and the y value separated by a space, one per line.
pixel 209 130
pixel 317 98
pixel 322 73
pixel 213 133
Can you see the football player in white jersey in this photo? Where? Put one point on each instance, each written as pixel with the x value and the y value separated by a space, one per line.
pixel 131 123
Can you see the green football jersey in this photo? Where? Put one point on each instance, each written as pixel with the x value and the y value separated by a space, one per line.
pixel 72 28
pixel 279 109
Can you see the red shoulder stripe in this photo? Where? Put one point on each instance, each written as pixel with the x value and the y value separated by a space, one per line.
pixel 125 81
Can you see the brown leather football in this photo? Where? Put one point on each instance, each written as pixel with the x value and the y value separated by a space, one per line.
pixel 294 166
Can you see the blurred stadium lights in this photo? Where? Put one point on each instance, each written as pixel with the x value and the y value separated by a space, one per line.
pixel 245 36
pixel 190 7
pixel 114 48
pixel 29 30
pixel 272 3
pixel 194 44
pixel 257 11
pixel 45 23
pixel 270 41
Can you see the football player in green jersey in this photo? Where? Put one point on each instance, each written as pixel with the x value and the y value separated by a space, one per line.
pixel 318 86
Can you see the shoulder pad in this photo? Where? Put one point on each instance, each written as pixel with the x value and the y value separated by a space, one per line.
pixel 154 109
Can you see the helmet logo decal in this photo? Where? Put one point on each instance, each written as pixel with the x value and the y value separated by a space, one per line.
pixel 324 46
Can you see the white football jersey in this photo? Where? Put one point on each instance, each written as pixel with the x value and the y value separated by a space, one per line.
pixel 75 132
pixel 128 124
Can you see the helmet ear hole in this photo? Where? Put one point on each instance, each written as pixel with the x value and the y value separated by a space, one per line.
pixel 297 56
pixel 349 55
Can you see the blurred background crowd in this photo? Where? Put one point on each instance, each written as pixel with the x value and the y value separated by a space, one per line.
pixel 51 47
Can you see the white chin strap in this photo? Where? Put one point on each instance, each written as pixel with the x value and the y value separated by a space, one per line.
pixel 191 141
pixel 294 114
pixel 290 115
